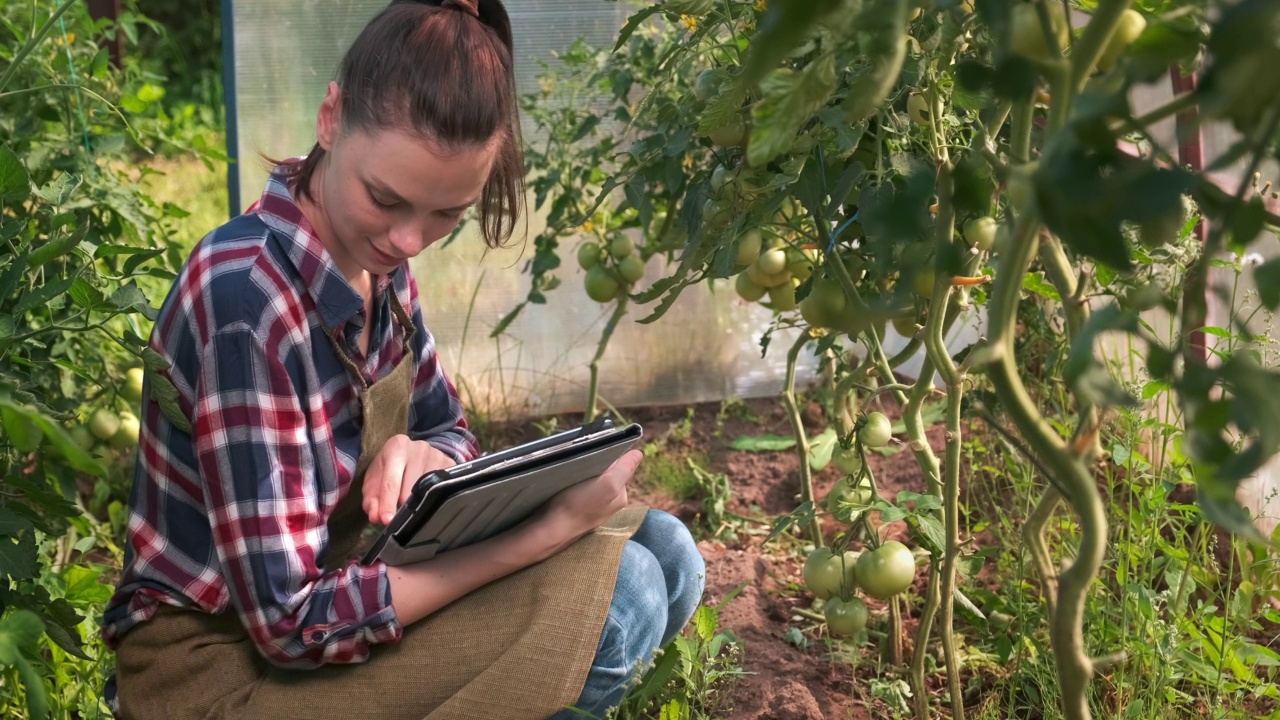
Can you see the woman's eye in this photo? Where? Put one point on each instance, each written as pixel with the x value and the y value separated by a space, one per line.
pixel 380 203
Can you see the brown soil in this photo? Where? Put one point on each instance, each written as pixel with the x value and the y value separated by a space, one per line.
pixel 783 681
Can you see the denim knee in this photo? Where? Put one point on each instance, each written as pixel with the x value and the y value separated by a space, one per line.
pixel 632 631
pixel 683 569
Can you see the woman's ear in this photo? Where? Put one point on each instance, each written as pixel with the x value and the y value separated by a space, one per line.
pixel 327 120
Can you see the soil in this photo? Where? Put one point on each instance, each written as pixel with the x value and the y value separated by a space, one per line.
pixel 783 681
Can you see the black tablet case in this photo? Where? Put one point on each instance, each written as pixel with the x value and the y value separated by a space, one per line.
pixel 472 501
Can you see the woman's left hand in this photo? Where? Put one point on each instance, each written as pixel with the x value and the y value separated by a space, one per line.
pixel 392 474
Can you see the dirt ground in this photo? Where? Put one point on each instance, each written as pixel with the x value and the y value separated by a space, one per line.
pixel 784 681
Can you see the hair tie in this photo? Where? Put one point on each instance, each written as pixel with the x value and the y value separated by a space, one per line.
pixel 466 6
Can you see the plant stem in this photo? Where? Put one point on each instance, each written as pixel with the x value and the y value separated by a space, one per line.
pixel 593 389
pixel 802 440
pixel 1034 533
pixel 31 43
pixel 1086 51
pixel 935 346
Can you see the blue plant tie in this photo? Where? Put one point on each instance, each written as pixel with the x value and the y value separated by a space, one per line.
pixel 75 83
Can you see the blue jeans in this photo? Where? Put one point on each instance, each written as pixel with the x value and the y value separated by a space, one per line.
pixel 660 584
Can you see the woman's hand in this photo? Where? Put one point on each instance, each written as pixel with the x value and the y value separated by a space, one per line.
pixel 579 509
pixel 392 474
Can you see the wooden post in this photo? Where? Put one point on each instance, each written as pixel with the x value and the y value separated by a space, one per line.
pixel 109 9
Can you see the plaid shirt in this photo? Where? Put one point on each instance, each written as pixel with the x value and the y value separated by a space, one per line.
pixel 231 517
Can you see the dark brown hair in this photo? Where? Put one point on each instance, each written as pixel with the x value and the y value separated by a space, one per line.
pixel 442 69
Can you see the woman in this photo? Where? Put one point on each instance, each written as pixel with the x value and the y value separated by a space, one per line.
pixel 314 398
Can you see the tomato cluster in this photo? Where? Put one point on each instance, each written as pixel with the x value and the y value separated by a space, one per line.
pixel 610 268
pixel 880 573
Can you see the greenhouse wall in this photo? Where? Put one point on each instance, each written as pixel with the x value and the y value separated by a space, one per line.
pixel 283 54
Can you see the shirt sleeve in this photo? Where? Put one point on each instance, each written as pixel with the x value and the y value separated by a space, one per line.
pixel 268 517
pixel 435 414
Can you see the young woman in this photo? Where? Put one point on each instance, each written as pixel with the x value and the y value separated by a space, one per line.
pixel 314 398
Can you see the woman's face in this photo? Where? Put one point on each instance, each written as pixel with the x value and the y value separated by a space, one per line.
pixel 385 195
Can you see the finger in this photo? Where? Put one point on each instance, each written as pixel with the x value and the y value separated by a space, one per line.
pixel 626 465
pixel 418 465
pixel 389 488
pixel 372 480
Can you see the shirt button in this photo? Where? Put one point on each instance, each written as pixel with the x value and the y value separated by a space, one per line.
pixel 317 636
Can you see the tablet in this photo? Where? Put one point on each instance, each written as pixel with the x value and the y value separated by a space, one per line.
pixel 469 502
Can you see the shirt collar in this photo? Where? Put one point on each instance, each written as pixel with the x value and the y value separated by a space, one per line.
pixel 336 301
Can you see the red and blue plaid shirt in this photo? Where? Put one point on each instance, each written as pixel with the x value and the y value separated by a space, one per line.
pixel 231 517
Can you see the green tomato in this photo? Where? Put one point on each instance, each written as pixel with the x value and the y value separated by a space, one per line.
pixel 621 246
pixel 980 232
pixel 877 430
pixel 772 261
pixel 1027 36
pixel 1130 26
pixel 601 285
pixel 845 617
pixel 717 213
pixel 127 435
pixel 749 244
pixel 747 288
pixel 707 83
pixel 887 570
pixel 827 574
pixel 923 283
pixel 720 177
pixel 733 134
pixel 132 390
pixel 783 297
pixel 1020 187
pixel 826 305
pixel 589 255
pixel 918 109
pixel 82 437
pixel 905 326
pixel 1160 230
pixel 631 268
pixel 103 424
pixel 847 460
pixel 844 494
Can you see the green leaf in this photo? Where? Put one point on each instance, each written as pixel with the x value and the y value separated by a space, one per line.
pixel 781 30
pixel 821 446
pixel 88 297
pixel 790 100
pixel 23 434
pixel 633 23
pixel 963 601
pixel 763 443
pixel 33 684
pixel 129 298
pixel 19 633
pixel 164 392
pixel 43 295
pixel 921 502
pixel 1228 514
pixel 18 556
pixel 707 620
pixel 933 533
pixel 1267 278
pixel 7 327
pixel 11 523
pixel 76 456
pixel 84 585
pixel 14 182
pixel 1035 282
pixel 58 190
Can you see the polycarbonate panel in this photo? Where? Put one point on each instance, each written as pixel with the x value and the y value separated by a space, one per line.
pixel 706 348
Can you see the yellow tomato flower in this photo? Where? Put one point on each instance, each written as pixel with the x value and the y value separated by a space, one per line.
pixel 690 22
pixel 761 5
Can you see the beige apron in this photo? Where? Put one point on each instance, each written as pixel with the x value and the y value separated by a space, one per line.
pixel 517 648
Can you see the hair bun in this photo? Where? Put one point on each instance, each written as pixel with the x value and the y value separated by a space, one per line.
pixel 467 6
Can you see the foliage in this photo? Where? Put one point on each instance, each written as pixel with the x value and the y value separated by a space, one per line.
pixel 84 252
pixel 830 159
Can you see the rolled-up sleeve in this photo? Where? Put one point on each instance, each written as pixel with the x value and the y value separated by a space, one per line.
pixel 268 517
pixel 435 415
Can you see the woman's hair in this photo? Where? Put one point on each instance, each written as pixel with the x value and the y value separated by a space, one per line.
pixel 442 69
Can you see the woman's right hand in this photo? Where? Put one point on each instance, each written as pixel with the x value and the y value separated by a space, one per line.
pixel 581 508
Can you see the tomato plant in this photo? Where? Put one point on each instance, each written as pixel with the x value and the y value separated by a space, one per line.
pixel 861 164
